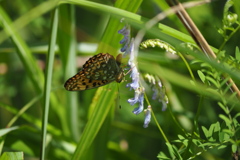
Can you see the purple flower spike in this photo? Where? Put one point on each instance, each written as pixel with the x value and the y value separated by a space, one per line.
pixel 130 50
pixel 125 31
pixel 126 39
pixel 164 105
pixel 125 42
pixel 135 79
pixel 147 117
pixel 133 101
pixel 137 97
pixel 140 108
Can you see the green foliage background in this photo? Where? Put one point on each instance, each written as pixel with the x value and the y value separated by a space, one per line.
pixel 43 43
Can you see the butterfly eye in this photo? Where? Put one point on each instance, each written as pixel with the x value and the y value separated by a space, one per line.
pixel 120 77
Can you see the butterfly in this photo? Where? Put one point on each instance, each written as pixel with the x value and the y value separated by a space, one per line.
pixel 99 70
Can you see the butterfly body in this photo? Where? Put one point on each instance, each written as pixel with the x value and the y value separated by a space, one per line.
pixel 99 70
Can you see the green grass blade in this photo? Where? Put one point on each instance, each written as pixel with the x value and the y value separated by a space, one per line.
pixel 67 48
pixel 95 122
pixel 24 53
pixel 48 82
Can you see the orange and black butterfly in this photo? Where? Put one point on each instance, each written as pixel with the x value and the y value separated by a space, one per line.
pixel 99 70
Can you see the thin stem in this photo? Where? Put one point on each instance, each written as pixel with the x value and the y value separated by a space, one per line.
pixel 23 110
pixel 160 129
pixel 187 65
pixel 155 119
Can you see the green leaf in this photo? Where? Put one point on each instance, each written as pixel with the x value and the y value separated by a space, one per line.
pixel 173 151
pixel 234 148
pixel 228 132
pixel 202 76
pixel 206 132
pixel 217 127
pixel 206 145
pixel 226 119
pixel 170 150
pixel 223 136
pixel 162 156
pixel 177 154
pixel 183 140
pixel 213 81
pixel 237 115
pixel 236 123
pixel 7 130
pixel 213 129
pixel 198 143
pixel 237 53
pixel 12 156
pixel 222 146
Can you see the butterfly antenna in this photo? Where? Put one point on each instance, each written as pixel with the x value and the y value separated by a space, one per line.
pixel 129 71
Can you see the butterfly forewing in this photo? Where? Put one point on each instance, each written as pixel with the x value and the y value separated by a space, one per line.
pixel 99 70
